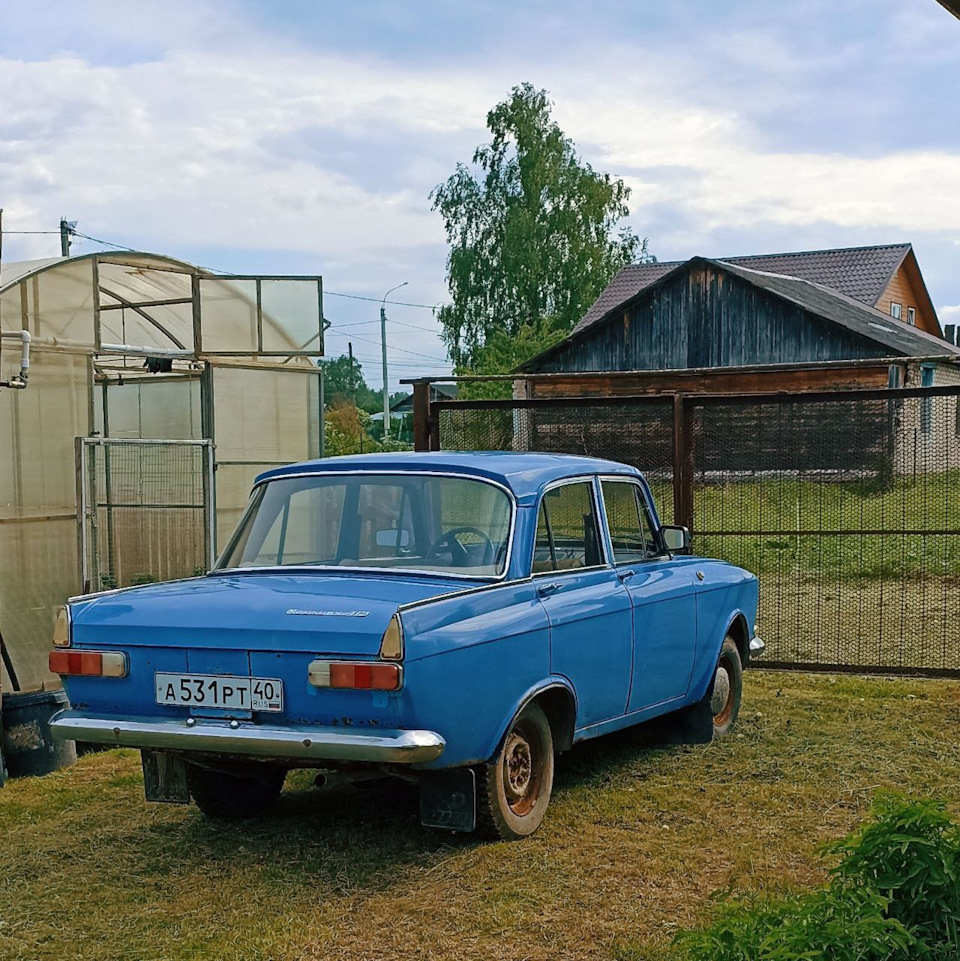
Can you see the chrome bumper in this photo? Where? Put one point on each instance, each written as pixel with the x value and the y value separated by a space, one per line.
pixel 756 646
pixel 293 743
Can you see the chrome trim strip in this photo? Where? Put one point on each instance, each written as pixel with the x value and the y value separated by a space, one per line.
pixel 459 475
pixel 293 742
pixel 423 602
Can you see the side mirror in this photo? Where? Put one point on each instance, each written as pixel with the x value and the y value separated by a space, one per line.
pixel 675 539
pixel 393 538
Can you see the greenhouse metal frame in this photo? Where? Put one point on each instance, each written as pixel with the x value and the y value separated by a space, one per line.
pixel 157 391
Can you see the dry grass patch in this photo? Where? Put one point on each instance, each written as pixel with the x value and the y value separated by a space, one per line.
pixel 637 840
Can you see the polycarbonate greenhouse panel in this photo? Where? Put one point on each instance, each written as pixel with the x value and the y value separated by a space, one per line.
pixel 38 527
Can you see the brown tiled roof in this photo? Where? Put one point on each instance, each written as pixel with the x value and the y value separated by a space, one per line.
pixel 861 273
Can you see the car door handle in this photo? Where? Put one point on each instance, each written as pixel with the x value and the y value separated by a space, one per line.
pixel 544 590
pixel 625 575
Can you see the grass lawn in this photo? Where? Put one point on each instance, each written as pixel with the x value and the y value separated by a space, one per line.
pixel 637 840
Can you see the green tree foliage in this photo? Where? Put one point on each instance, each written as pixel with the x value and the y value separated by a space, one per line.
pixel 893 896
pixel 341 379
pixel 534 237
pixel 342 384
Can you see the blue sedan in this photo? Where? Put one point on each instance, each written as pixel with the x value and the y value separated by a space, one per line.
pixel 453 619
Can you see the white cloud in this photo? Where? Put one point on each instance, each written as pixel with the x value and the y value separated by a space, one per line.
pixel 192 147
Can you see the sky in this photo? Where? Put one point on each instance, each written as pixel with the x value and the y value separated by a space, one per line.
pixel 305 136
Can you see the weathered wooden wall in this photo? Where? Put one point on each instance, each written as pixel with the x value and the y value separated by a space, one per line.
pixel 709 318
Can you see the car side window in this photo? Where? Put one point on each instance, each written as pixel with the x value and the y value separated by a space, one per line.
pixel 305 531
pixel 630 532
pixel 567 530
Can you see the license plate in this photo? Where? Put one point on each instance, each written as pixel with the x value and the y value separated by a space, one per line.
pixel 220 691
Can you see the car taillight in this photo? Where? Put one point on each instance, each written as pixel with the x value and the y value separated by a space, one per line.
pixel 356 675
pixel 89 663
pixel 63 628
pixel 391 645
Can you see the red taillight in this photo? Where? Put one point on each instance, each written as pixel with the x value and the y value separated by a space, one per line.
pixel 88 663
pixel 356 675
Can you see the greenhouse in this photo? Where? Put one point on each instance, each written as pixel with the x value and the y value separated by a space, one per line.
pixel 157 390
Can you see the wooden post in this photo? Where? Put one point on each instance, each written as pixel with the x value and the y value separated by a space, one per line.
pixel 422 433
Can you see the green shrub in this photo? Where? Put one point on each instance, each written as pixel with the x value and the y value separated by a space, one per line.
pixel 909 852
pixel 894 895
pixel 835 924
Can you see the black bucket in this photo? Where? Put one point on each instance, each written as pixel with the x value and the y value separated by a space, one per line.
pixel 29 747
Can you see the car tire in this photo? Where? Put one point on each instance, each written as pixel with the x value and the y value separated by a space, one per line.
pixel 231 796
pixel 513 790
pixel 726 689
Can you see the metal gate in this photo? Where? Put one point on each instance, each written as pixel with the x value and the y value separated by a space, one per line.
pixel 145 510
pixel 846 504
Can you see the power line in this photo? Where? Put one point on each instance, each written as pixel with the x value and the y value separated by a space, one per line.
pixel 376 300
pixel 415 353
pixel 97 240
pixel 366 323
pixel 331 293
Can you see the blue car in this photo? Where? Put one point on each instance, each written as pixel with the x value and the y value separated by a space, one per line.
pixel 454 619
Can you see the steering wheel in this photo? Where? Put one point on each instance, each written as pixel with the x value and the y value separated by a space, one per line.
pixel 447 542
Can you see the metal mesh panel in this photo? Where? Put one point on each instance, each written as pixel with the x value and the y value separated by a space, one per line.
pixel 846 506
pixel 847 511
pixel 638 432
pixel 146 511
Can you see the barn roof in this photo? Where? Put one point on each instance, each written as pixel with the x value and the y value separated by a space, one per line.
pixel 896 336
pixel 861 273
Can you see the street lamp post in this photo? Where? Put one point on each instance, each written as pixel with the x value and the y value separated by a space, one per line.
pixel 383 348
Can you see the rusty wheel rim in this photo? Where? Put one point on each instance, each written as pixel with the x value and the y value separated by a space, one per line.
pixel 522 769
pixel 724 694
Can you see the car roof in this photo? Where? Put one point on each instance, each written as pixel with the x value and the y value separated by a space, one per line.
pixel 525 473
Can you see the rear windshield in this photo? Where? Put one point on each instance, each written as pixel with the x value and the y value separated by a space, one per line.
pixel 451 525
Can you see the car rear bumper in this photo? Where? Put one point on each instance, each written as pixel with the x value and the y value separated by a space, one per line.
pixel 294 743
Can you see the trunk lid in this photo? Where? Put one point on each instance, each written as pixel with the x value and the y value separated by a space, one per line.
pixel 316 612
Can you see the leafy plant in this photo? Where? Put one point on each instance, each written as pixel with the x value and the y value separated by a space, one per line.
pixel 894 895
pixel 139 579
pixel 909 852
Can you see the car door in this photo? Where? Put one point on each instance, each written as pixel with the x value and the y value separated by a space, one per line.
pixel 587 606
pixel 662 594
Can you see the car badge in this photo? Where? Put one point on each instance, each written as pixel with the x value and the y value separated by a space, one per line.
pixel 296 610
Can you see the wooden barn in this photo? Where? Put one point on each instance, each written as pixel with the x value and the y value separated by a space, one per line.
pixel 810 320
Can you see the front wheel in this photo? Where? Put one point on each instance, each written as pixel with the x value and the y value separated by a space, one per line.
pixel 228 795
pixel 727 689
pixel 514 789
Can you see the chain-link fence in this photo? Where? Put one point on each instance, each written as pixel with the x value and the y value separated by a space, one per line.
pixel 145 510
pixel 846 505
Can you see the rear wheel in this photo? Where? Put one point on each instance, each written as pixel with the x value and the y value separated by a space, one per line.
pixel 727 689
pixel 227 795
pixel 513 790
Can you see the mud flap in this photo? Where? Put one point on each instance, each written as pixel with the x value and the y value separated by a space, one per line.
pixel 448 799
pixel 164 778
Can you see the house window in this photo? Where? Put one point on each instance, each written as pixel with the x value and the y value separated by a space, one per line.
pixel 927 372
pixel 896 311
pixel 912 316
